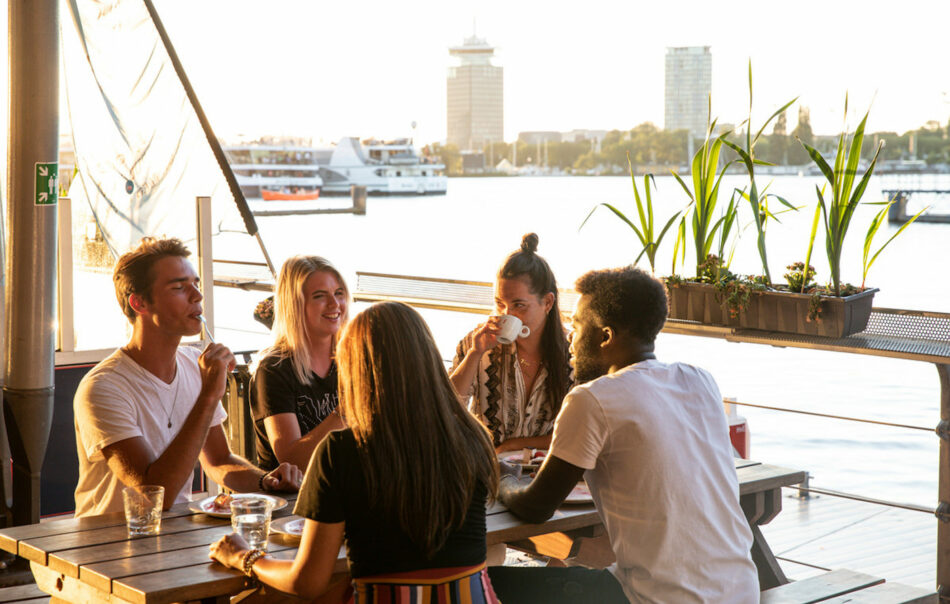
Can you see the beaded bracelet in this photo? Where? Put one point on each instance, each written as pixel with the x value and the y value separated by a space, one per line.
pixel 260 482
pixel 252 556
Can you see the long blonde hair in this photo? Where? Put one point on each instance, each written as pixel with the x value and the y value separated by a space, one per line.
pixel 290 322
pixel 423 453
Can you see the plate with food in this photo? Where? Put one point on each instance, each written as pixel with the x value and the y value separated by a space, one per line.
pixel 579 494
pixel 288 525
pixel 524 457
pixel 220 506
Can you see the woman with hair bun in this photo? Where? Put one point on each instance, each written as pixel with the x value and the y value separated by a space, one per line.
pixel 516 389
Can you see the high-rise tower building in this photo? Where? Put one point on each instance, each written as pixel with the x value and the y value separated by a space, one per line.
pixel 688 85
pixel 475 97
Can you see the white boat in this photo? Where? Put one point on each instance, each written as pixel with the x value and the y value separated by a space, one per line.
pixel 383 167
pixel 295 172
pixel 277 171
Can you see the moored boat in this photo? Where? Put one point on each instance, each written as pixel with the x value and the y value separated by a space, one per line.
pixel 299 195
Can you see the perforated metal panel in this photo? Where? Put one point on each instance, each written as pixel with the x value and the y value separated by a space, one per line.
pixel 909 334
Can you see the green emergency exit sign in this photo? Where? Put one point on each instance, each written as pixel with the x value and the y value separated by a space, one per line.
pixel 45 187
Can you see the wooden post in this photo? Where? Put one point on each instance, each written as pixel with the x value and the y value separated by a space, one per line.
pixel 358 194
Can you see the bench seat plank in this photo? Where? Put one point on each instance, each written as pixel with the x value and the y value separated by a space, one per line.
pixel 888 593
pixel 819 588
pixel 23 593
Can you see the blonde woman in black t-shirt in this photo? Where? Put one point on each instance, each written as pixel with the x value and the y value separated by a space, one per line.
pixel 293 392
pixel 405 484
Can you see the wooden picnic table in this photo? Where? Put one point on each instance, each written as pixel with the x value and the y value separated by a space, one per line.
pixel 93 560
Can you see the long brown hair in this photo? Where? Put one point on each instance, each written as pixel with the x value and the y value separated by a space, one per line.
pixel 422 452
pixel 525 263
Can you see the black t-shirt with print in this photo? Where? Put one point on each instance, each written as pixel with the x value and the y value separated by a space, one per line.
pixel 275 389
pixel 334 490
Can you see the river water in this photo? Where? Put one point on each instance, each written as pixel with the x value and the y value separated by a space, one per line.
pixel 467 232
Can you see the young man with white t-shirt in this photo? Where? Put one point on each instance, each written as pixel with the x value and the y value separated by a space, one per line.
pixel 148 412
pixel 652 442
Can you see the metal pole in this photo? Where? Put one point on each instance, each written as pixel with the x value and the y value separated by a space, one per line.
pixel 943 493
pixel 31 295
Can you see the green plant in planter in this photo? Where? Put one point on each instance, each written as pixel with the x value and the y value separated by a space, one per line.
pixel 845 194
pixel 645 215
pixel 798 278
pixel 759 203
pixel 872 230
pixel 705 192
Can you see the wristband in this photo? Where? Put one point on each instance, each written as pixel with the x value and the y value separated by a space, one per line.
pixel 252 556
pixel 260 483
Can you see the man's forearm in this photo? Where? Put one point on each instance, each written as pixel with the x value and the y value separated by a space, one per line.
pixel 518 496
pixel 536 500
pixel 174 467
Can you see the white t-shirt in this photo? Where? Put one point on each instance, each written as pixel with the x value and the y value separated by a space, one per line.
pixel 120 399
pixel 654 441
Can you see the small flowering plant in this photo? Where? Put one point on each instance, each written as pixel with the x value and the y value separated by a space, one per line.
pixel 264 312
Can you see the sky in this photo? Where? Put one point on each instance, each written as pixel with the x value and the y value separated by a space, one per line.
pixel 371 68
pixel 324 70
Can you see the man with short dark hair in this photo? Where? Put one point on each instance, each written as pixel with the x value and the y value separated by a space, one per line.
pixel 652 442
pixel 148 412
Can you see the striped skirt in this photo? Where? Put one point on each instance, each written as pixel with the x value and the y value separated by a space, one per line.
pixel 464 585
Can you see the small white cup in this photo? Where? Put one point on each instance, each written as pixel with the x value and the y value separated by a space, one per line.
pixel 510 329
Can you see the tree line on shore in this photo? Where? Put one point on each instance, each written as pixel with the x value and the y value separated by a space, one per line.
pixel 652 149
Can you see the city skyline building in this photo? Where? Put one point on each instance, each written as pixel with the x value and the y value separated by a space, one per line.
pixel 474 97
pixel 688 86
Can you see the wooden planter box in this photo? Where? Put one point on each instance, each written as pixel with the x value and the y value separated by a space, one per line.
pixel 780 311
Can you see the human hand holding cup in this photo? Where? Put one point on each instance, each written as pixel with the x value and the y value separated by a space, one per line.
pixel 250 518
pixel 510 328
pixel 143 509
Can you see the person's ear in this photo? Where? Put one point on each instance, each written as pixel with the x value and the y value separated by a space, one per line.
pixel 137 303
pixel 607 336
pixel 548 302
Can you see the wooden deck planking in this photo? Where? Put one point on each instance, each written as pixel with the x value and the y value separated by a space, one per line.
pixel 830 532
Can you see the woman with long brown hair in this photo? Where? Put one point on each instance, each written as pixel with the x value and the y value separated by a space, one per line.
pixel 405 483
pixel 516 389
pixel 293 393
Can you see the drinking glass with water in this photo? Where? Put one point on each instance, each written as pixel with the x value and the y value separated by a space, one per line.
pixel 143 509
pixel 250 518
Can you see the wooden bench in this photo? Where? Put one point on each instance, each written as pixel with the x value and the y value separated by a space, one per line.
pixel 28 592
pixel 842 585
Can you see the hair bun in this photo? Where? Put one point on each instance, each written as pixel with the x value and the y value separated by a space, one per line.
pixel 529 243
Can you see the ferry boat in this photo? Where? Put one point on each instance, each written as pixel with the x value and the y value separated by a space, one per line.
pixel 284 172
pixel 276 172
pixel 383 167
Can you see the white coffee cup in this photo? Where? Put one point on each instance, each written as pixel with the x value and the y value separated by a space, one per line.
pixel 510 329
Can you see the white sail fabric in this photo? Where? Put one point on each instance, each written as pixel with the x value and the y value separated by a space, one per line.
pixel 141 154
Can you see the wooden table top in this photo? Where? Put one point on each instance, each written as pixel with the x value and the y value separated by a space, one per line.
pixel 174 565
